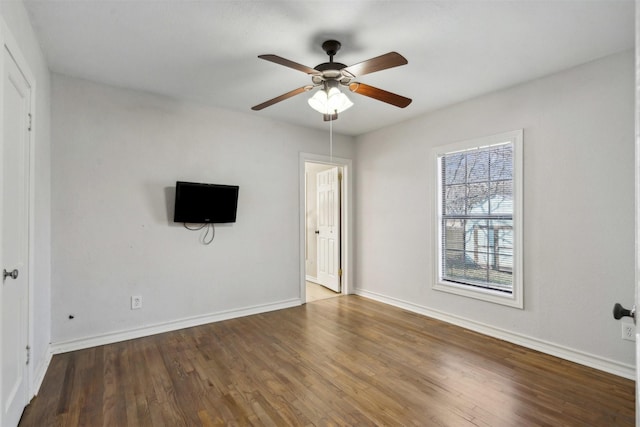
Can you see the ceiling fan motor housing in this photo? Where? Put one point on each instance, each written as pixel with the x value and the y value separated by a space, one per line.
pixel 331 70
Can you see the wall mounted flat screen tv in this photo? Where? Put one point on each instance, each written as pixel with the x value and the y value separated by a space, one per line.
pixel 205 203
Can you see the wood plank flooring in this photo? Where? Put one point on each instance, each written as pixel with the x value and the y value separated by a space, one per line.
pixel 339 361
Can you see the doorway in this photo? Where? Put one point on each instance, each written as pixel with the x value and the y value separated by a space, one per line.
pixel 322 206
pixel 325 227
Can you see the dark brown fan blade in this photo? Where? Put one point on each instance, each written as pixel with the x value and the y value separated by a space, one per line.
pixel 382 62
pixel 280 60
pixel 282 97
pixel 379 94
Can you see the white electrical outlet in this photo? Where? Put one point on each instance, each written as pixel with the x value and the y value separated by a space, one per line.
pixel 628 331
pixel 136 302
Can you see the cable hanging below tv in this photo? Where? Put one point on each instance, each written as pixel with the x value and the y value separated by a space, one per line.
pixel 206 204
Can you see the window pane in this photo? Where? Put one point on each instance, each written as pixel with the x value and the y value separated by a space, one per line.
pixel 477 166
pixel 478 199
pixel 501 198
pixel 500 280
pixel 501 162
pixel 453 234
pixel 475 273
pixel 503 245
pixel 454 265
pixel 455 200
pixel 453 170
pixel 476 249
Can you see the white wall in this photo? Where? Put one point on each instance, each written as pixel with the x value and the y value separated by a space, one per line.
pixel 15 16
pixel 578 207
pixel 116 157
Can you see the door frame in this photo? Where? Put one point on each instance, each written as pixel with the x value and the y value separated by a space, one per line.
pixel 8 42
pixel 346 219
pixel 637 205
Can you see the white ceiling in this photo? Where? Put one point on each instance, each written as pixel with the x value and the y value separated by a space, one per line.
pixel 206 51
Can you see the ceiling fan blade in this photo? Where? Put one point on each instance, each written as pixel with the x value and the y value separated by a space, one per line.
pixel 379 94
pixel 282 61
pixel 281 97
pixel 382 62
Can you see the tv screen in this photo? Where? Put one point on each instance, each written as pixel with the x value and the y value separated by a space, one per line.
pixel 205 203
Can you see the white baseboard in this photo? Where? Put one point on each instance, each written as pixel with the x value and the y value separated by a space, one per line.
pixel 112 337
pixel 39 373
pixel 593 361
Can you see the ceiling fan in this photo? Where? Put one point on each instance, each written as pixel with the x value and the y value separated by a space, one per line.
pixel 330 76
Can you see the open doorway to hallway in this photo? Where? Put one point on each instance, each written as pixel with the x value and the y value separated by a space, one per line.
pixel 323 230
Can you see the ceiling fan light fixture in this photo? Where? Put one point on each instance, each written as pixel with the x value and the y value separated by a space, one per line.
pixel 330 101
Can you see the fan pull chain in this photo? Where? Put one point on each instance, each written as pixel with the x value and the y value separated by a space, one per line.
pixel 331 138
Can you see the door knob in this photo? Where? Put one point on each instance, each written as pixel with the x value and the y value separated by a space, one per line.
pixel 317 231
pixel 13 274
pixel 619 312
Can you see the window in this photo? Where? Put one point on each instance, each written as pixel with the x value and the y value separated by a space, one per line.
pixel 479 225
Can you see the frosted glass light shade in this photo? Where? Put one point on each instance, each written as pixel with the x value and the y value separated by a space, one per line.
pixel 329 103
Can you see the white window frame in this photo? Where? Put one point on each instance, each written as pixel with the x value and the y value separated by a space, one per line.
pixel 516 297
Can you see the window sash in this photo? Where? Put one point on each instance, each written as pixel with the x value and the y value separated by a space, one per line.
pixel 488 264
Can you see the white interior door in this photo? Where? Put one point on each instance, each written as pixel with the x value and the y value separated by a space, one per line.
pixel 328 208
pixel 15 219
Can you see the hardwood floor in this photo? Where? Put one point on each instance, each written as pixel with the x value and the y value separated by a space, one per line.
pixel 338 361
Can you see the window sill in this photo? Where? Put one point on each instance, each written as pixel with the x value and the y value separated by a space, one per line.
pixel 496 297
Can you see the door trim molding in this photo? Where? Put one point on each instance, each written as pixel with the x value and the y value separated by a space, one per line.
pixel 8 42
pixel 346 242
pixel 636 290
